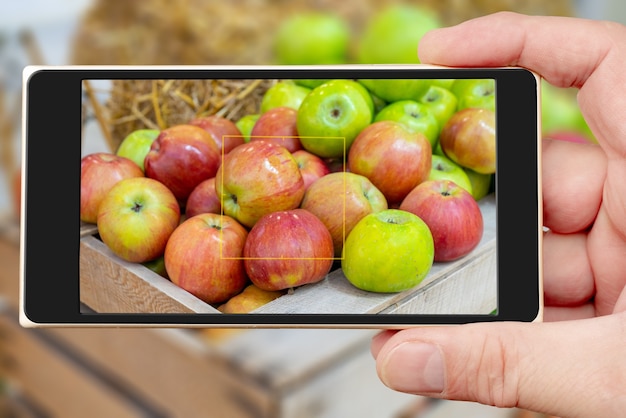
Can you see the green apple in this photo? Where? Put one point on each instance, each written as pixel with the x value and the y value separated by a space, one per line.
pixel 332 115
pixel 444 168
pixel 388 251
pixel 441 102
pixel 312 38
pixel 446 83
pixel 479 93
pixel 560 111
pixel 480 183
pixel 283 94
pixel 245 125
pixel 392 35
pixel 136 145
pixel 416 117
pixel 392 90
pixel 310 83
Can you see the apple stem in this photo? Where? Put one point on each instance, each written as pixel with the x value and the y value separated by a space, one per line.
pixel 136 207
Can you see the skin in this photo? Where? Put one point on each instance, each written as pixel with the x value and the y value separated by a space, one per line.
pixel 572 364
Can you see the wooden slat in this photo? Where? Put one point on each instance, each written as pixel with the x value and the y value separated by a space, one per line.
pixel 109 284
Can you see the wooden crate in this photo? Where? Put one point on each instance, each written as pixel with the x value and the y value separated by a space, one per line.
pixel 468 285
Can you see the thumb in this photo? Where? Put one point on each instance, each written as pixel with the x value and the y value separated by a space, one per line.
pixel 569 369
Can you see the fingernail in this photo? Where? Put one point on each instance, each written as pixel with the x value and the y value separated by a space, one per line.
pixel 414 367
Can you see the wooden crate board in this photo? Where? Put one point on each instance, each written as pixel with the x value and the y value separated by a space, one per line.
pixel 109 284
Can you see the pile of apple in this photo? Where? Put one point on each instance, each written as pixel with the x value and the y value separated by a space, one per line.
pixel 379 176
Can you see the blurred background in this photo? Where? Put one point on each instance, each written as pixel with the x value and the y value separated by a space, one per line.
pixel 212 32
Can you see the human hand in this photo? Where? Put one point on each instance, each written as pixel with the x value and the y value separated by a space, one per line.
pixel 575 367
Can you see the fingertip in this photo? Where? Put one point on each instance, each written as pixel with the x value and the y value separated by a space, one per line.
pixel 379 340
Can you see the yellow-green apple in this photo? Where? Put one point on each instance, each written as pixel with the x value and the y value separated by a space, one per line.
pixel 469 139
pixel 136 145
pixel 394 159
pixel 204 257
pixel 311 167
pixel 250 299
pixel 181 157
pixel 278 125
pixel 396 89
pixel 283 93
pixel 388 251
pixel 445 168
pixel 340 200
pixel 452 215
pixel 286 249
pixel 416 116
pixel 312 38
pixel 441 102
pixel 332 115
pixel 310 83
pixel 481 183
pixel 560 111
pixel 224 132
pixel 137 217
pixel 99 172
pixel 245 125
pixel 392 34
pixel 203 199
pixel 258 178
pixel 479 93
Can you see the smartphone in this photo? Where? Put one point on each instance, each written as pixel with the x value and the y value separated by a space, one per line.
pixel 353 196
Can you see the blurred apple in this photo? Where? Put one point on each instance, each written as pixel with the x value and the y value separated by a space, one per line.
pixel 394 159
pixel 250 299
pixel 286 249
pixel 469 139
pixel 332 115
pixel 396 89
pixel 310 83
pixel 245 125
pixel 481 183
pixel 258 178
pixel 204 257
pixel 452 215
pixel 283 93
pixel 392 34
pixel 203 199
pixel 388 251
pixel 181 157
pixel 278 124
pixel 312 38
pixel 441 102
pixel 157 265
pixel 135 145
pixel 560 111
pixel 479 93
pixel 416 117
pixel 224 132
pixel 99 172
pixel 444 168
pixel 311 167
pixel 137 217
pixel 340 200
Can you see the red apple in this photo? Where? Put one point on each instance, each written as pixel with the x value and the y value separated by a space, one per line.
pixel 286 249
pixel 137 217
pixel 99 172
pixel 469 139
pixel 340 200
pixel 181 157
pixel 224 132
pixel 452 215
pixel 204 257
pixel 258 178
pixel 203 199
pixel 393 158
pixel 279 125
pixel 311 167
